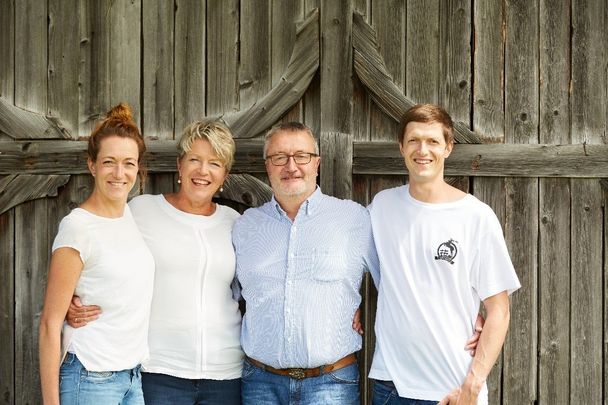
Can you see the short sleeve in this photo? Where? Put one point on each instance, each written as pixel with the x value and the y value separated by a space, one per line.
pixel 494 272
pixel 72 234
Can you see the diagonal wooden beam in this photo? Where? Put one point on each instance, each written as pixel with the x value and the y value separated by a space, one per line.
pixel 22 124
pixel 16 189
pixel 302 66
pixel 373 73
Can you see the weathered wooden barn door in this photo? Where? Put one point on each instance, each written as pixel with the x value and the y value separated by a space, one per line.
pixel 513 73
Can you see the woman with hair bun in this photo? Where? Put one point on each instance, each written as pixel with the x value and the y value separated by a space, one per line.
pixel 100 255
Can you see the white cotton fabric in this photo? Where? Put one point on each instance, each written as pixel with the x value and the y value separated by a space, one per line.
pixel 195 322
pixel 117 275
pixel 437 262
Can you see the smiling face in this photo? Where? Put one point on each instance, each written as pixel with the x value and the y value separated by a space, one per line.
pixel 424 150
pixel 201 172
pixel 292 181
pixel 115 168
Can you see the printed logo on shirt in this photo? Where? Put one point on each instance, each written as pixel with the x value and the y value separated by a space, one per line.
pixel 447 251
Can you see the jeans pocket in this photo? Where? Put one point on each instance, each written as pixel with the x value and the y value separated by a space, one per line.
pixel 98 377
pixel 346 375
pixel 248 370
pixel 382 394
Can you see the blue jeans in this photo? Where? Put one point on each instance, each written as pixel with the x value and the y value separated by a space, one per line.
pixel 387 395
pixel 161 389
pixel 78 386
pixel 261 387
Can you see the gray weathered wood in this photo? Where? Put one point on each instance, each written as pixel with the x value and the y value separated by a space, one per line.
pixel 19 123
pixel 7 49
pixel 311 104
pixel 589 103
pixel 222 58
pixel 302 66
pixel 488 119
pixel 371 69
pixel 554 226
pixel 255 70
pixel 336 161
pixel 521 227
pixel 7 306
pixel 504 160
pixel 158 86
pixel 422 49
pixel 246 189
pixel 64 63
pixel 124 19
pixel 16 189
pixel 190 62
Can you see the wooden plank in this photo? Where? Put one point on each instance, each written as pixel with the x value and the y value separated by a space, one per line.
pixel 64 64
pixel 15 189
pixel 521 227
pixel 190 62
pixel 125 54
pixel 296 78
pixel 554 227
pixel 31 60
pixel 158 85
pixel 378 158
pixel 255 70
pixel 589 105
pixel 7 306
pixel 7 49
pixel 336 162
pixel 455 47
pixel 19 123
pixel 222 56
pixel 285 14
pixel 95 75
pixel 312 97
pixel 336 71
pixel 32 249
pixel 422 47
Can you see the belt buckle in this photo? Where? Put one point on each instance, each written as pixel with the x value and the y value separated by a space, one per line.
pixel 297 373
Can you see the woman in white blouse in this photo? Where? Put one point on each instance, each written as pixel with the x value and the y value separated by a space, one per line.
pixel 194 334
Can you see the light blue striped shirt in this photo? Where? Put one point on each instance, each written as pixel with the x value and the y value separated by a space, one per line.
pixel 301 279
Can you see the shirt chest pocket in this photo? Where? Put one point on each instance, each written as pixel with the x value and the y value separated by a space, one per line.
pixel 328 265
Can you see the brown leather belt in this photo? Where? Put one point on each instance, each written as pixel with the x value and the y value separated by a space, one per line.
pixel 301 373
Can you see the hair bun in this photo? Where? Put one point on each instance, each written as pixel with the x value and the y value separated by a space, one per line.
pixel 121 112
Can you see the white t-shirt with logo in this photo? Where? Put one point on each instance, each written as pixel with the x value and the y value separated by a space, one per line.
pixel 437 263
pixel 117 275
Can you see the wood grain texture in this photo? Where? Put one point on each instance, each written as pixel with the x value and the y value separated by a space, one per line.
pixel 32 252
pixel 7 49
pixel 589 102
pixel 336 52
pixel 16 189
pixel 336 161
pixel 422 47
pixel 64 64
pixel 554 215
pixel 124 19
pixel 19 123
pixel 222 57
pixel 7 307
pixel 488 120
pixel 246 189
pixel 190 62
pixel 158 77
pixel 300 71
pixel 371 70
pixel 521 225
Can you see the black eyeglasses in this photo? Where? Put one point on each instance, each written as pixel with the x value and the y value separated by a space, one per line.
pixel 300 158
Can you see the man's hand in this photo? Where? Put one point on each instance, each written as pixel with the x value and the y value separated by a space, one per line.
pixel 471 344
pixel 357 327
pixel 459 396
pixel 79 315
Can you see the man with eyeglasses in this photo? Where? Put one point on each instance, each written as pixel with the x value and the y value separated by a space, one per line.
pixel 300 261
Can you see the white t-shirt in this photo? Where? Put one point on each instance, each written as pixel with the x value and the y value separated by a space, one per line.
pixel 195 322
pixel 437 262
pixel 118 275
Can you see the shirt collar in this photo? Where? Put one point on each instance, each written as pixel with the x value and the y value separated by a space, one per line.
pixel 309 206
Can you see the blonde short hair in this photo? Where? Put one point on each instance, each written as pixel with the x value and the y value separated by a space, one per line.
pixel 216 133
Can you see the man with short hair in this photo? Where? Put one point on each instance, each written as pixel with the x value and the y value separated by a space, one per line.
pixel 300 261
pixel 441 253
